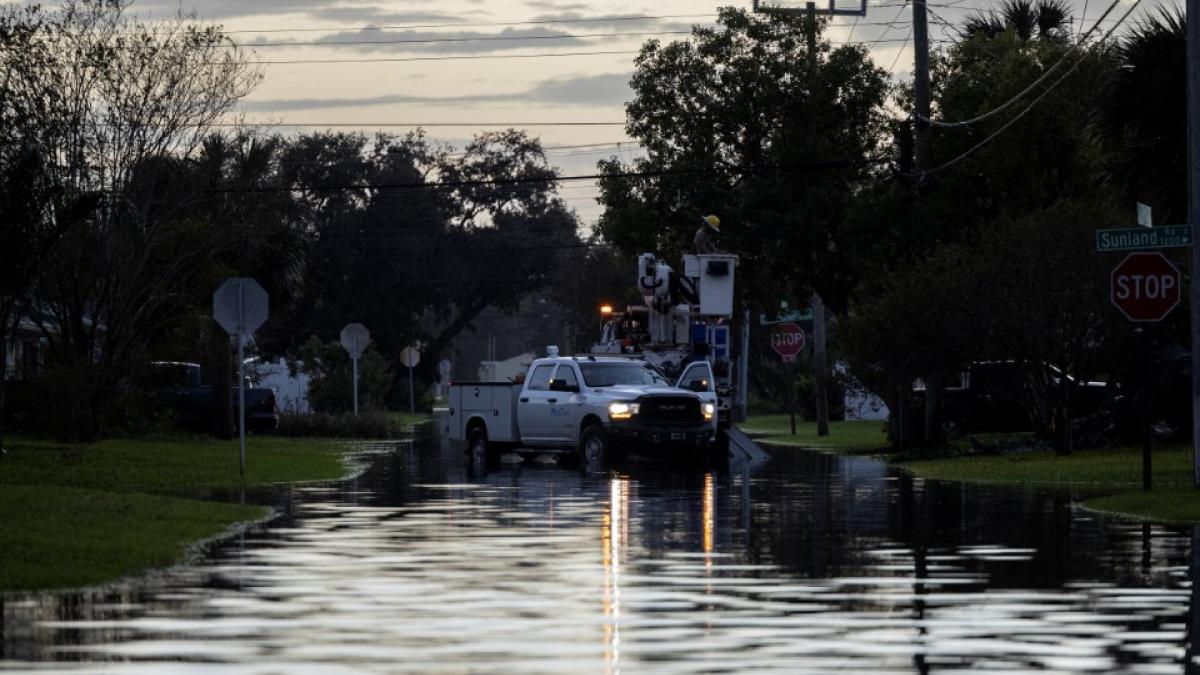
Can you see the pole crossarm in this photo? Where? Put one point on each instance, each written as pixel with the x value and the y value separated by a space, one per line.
pixel 832 10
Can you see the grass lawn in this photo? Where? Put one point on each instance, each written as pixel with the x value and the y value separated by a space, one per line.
pixel 843 436
pixel 56 537
pixel 168 466
pixel 408 420
pixel 1117 471
pixel 85 514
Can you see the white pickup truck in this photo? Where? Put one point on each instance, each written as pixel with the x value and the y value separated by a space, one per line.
pixel 598 407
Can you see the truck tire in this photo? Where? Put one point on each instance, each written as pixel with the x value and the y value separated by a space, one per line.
pixel 594 451
pixel 479 452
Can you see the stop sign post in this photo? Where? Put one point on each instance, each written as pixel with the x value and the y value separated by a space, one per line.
pixel 409 357
pixel 787 339
pixel 354 338
pixel 1145 286
pixel 240 306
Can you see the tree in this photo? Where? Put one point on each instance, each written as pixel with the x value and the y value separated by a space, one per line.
pixel 1142 117
pixel 1002 186
pixel 1027 19
pixel 408 235
pixel 331 377
pixel 742 121
pixel 130 104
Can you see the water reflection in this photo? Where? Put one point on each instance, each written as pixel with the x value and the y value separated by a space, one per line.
pixel 809 563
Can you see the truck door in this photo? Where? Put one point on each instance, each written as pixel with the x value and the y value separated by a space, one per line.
pixel 533 406
pixel 565 402
pixel 698 377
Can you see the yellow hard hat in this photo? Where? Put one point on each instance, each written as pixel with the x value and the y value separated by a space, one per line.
pixel 713 222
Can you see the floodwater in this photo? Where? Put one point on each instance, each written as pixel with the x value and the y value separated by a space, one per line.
pixel 805 563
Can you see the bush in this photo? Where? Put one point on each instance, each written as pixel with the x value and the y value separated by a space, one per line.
pixel 330 371
pixel 374 425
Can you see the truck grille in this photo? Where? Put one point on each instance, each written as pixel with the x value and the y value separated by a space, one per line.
pixel 669 410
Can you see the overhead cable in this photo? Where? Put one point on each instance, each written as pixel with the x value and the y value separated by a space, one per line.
pixel 1032 103
pixel 1032 85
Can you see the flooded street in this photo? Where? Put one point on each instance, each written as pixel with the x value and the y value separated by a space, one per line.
pixel 808 562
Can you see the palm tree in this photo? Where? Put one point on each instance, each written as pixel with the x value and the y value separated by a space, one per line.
pixel 1028 19
pixel 1143 116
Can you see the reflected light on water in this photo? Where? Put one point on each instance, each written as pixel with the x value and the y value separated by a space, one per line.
pixel 614 536
pixel 814 563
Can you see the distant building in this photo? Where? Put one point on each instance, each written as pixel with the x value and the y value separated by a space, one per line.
pixel 25 357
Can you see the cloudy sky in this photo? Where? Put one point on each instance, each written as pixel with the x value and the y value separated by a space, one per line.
pixel 459 66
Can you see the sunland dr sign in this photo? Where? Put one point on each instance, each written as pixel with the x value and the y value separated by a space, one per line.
pixel 1145 286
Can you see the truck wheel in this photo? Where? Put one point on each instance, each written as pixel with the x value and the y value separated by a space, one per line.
pixel 593 448
pixel 479 451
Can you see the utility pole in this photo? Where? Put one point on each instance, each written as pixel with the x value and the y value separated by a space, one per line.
pixel 820 369
pixel 820 377
pixel 1193 95
pixel 921 96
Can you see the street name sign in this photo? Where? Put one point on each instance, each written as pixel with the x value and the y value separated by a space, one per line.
pixel 1137 238
pixel 787 339
pixel 785 316
pixel 1145 286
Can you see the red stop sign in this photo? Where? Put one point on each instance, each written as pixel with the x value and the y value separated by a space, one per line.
pixel 787 339
pixel 1145 286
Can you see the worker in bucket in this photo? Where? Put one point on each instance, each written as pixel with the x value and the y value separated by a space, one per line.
pixel 710 228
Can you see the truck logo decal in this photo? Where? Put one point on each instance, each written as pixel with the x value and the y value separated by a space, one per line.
pixel 560 412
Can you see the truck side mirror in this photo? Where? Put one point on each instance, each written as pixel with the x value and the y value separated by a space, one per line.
pixel 699 385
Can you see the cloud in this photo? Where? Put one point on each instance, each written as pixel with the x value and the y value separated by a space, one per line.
pixel 352 12
pixel 618 22
pixel 219 9
pixel 378 16
pixel 368 40
pixel 581 90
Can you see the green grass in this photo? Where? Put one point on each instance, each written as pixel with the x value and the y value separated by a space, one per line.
pixel 408 420
pixel 1116 470
pixel 56 537
pixel 168 466
pixel 843 436
pixel 1172 505
pixel 75 515
pixel 1172 466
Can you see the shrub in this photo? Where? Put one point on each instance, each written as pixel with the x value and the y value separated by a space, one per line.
pixel 373 425
pixel 330 387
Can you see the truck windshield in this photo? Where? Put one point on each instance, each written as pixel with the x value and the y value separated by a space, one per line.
pixel 608 374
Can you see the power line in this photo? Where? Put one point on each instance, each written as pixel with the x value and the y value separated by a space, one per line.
pixel 496 24
pixel 473 57
pixel 901 52
pixel 467 57
pixel 801 168
pixel 482 38
pixel 1032 103
pixel 1032 85
pixel 506 125
pixel 535 22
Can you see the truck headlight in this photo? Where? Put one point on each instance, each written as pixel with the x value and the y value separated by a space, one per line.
pixel 710 409
pixel 620 410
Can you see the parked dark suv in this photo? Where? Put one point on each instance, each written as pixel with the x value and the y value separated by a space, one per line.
pixel 993 396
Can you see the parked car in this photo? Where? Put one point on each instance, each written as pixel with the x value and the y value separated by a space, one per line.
pixel 993 396
pixel 178 385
